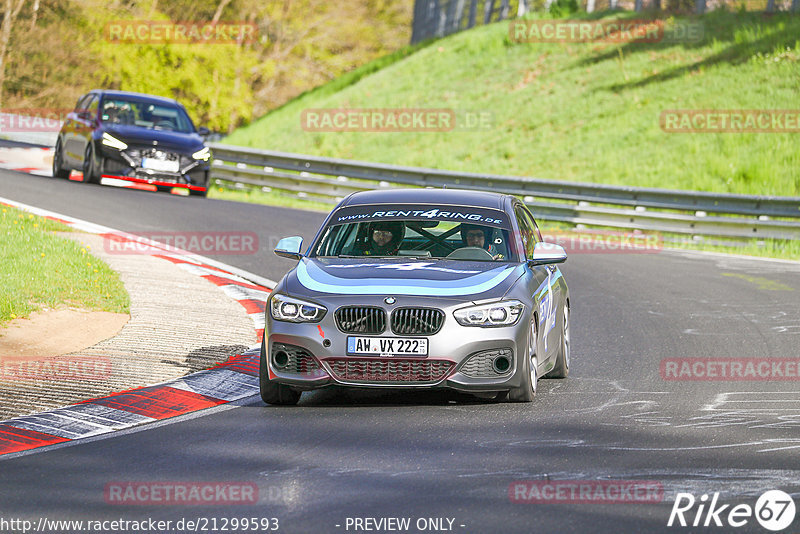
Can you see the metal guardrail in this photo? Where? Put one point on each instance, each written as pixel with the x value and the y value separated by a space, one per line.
pixel 681 212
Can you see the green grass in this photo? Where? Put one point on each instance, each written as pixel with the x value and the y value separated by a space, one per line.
pixel 271 198
pixel 577 112
pixel 38 268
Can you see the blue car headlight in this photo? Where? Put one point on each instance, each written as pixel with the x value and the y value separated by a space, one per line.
pixel 111 141
pixel 501 313
pixel 284 308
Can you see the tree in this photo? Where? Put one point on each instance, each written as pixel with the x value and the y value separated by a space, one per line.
pixel 12 9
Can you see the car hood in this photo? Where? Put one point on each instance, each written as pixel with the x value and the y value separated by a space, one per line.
pixel 162 138
pixel 403 276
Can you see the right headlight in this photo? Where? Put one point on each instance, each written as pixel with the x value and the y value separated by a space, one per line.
pixel 283 308
pixel 111 141
pixel 501 313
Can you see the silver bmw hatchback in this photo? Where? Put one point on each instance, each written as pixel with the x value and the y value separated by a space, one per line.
pixel 419 288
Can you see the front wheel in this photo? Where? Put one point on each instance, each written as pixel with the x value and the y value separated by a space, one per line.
pixel 90 175
pixel 58 162
pixel 561 368
pixel 272 392
pixel 204 192
pixel 527 391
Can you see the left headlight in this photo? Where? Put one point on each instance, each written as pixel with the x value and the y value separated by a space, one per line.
pixel 283 308
pixel 203 154
pixel 111 141
pixel 502 313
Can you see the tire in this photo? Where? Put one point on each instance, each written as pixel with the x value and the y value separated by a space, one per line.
pixel 90 175
pixel 58 170
pixel 203 193
pixel 272 392
pixel 561 369
pixel 527 391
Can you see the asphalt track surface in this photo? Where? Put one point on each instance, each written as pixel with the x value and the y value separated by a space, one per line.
pixel 365 454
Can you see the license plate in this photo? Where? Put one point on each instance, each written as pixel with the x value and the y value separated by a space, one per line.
pixel 393 346
pixel 160 165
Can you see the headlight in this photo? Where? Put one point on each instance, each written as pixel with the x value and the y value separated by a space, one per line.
pixel 502 313
pixel 204 154
pixel 113 142
pixel 285 308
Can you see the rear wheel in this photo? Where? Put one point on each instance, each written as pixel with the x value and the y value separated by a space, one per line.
pixel 58 162
pixel 561 369
pixel 90 175
pixel 527 391
pixel 272 392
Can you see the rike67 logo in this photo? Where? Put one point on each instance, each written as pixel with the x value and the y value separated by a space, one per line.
pixel 774 510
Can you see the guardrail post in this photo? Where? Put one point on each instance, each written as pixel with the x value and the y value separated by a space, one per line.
pixel 488 10
pixel 700 6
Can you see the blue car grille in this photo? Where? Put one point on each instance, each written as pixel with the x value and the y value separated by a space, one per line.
pixel 360 320
pixel 396 370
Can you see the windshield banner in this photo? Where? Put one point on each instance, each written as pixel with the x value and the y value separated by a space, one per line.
pixel 421 212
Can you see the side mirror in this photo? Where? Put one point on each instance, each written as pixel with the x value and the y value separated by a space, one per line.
pixel 203 131
pixel 289 247
pixel 84 115
pixel 546 253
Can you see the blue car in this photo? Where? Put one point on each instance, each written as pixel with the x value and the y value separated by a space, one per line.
pixel 419 288
pixel 134 137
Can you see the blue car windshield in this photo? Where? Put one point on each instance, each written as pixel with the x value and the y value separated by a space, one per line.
pixel 417 238
pixel 149 115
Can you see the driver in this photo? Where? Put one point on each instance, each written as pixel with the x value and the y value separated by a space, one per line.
pixel 473 235
pixel 384 238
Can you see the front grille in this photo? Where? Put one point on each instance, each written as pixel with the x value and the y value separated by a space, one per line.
pixel 297 360
pixel 154 153
pixel 360 320
pixel 403 371
pixel 417 321
pixel 481 364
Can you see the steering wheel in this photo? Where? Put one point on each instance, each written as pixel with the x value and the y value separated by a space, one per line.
pixel 470 253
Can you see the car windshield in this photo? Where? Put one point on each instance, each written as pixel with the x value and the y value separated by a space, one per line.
pixel 481 238
pixel 143 114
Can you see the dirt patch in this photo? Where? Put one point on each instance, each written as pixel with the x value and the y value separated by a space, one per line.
pixel 56 332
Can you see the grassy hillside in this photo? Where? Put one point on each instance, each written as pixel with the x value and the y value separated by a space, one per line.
pixel 582 112
pixel 62 50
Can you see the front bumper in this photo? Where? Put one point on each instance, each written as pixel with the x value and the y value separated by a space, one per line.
pixel 127 165
pixel 459 357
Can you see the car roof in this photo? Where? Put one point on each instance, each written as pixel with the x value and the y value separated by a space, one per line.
pixel 449 197
pixel 138 96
